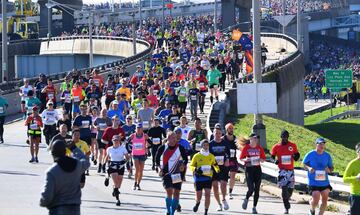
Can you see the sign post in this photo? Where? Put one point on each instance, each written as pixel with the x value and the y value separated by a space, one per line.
pixel 336 80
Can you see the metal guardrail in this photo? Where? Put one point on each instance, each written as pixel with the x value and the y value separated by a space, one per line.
pixel 12 86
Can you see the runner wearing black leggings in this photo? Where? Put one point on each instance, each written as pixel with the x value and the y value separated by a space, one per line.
pixel 252 154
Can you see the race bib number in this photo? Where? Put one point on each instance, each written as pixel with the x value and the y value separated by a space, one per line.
pixel 202 84
pixel 232 153
pixel 146 124
pixel 29 109
pixel 1 110
pixel 155 92
pixel 198 146
pixel 76 98
pixel 34 126
pixel 110 92
pixel 51 96
pixel 219 160
pixel 67 98
pixel 206 169
pixel 286 159
pixel 215 86
pixel 138 146
pixel 263 54
pixel 102 126
pixel 138 105
pixel 96 81
pixel 193 97
pixel 320 175
pixel 85 124
pixel 255 161
pixel 182 93
pixel 176 178
pixel 156 141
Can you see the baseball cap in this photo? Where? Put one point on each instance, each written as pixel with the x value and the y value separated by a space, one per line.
pixel 320 140
pixel 115 102
pixel 139 125
pixel 253 134
pixel 203 142
pixel 116 137
pixel 177 129
pixel 50 102
pixel 35 108
pixel 217 126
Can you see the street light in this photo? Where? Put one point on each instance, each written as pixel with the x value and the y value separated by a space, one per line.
pixel 65 8
pixel 134 32
pixel 4 46
pixel 298 36
pixel 140 15
pixel 258 127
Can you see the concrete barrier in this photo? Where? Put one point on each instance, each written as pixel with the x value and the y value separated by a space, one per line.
pixel 116 46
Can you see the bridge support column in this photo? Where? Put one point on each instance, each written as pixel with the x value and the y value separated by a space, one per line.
pixel 67 22
pixel 228 13
pixel 244 17
pixel 43 25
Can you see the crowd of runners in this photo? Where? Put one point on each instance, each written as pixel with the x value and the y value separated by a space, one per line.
pixel 121 119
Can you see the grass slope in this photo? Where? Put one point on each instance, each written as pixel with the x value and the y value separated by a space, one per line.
pixel 318 117
pixel 303 137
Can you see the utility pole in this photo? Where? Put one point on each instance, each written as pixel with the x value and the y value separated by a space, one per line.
pixel 134 33
pixel 49 22
pixel 259 127
pixel 91 54
pixel 4 45
pixel 284 14
pixel 299 27
pixel 215 16
pixel 163 15
pixel 140 15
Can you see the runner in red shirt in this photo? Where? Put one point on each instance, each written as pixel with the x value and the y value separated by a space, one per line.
pixel 50 91
pixel 285 153
pixel 252 154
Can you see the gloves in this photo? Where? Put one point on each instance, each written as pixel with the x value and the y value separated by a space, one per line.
pixel 198 172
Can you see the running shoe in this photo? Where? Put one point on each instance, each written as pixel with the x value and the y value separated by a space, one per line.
pixel 153 167
pixel 106 182
pixel 32 160
pixel 311 212
pixel 138 187
pixel 231 196
pixel 36 160
pixel 99 168
pixel 254 211
pixel 178 209
pixel 226 205
pixel 95 162
pixel 219 208
pixel 135 185
pixel 245 203
pixel 286 211
pixel 196 207
pixel 118 203
pixel 92 158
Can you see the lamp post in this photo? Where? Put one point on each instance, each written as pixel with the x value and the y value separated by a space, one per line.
pixel 49 21
pixel 298 35
pixel 215 16
pixel 133 32
pixel 258 127
pixel 4 45
pixel 163 15
pixel 140 15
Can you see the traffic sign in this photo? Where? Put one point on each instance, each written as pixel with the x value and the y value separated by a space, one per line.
pixel 338 79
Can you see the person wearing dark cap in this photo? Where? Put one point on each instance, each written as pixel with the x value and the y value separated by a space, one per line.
pixel 156 135
pixel 39 86
pixel 203 165
pixel 252 154
pixel 84 123
pixel 61 193
pixel 319 165
pixel 284 154
pixel 34 125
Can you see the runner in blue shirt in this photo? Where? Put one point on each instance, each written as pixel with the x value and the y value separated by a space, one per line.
pixel 3 106
pixel 319 164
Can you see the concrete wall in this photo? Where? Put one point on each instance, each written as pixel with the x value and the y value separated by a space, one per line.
pixel 119 48
pixel 26 47
pixel 290 90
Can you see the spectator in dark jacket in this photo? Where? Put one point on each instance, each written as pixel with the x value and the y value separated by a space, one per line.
pixel 62 193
